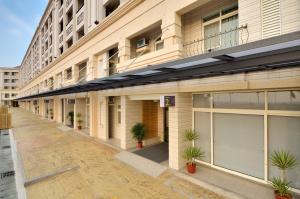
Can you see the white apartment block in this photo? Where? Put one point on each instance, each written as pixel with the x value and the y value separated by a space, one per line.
pixel 232 67
pixel 9 85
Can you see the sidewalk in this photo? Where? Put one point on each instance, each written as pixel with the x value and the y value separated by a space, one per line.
pixel 44 149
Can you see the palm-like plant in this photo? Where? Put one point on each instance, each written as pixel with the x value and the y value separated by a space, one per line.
pixel 283 160
pixel 281 187
pixel 191 153
pixel 191 135
pixel 138 132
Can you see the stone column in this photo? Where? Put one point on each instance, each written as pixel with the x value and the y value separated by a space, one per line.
pixel 124 50
pixel 94 116
pixel 180 119
pixel 103 118
pixel 91 68
pixel 131 113
pixel 56 109
pixel 171 31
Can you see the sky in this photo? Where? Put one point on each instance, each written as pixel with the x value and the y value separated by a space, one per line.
pixel 18 21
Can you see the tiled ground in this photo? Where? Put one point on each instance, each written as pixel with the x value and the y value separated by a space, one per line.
pixel 45 148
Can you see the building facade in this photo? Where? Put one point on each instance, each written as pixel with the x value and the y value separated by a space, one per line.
pixel 9 85
pixel 92 43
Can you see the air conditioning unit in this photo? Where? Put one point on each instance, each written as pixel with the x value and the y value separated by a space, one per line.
pixel 159 45
pixel 141 43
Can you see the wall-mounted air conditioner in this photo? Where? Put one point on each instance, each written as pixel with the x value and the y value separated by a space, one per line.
pixel 141 43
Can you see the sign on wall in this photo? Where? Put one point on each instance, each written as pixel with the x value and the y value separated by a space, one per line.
pixel 167 101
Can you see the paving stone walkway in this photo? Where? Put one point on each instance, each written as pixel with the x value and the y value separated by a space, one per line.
pixel 45 148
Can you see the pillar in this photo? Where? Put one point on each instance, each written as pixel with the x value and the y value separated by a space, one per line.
pixel 180 119
pixel 94 116
pixel 124 50
pixel 131 113
pixel 103 118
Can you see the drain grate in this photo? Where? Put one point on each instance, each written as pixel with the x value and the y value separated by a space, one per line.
pixel 5 147
pixel 7 174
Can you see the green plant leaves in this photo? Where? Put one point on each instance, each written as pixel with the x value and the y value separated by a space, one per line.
pixel 283 160
pixel 191 135
pixel 280 186
pixel 191 153
pixel 138 131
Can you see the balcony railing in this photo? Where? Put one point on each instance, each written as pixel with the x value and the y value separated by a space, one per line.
pixel 61 38
pixel 80 16
pixel 218 41
pixel 69 28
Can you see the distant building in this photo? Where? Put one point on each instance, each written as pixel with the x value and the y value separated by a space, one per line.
pixel 9 85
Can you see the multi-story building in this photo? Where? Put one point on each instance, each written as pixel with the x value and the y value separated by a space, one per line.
pixel 231 69
pixel 9 85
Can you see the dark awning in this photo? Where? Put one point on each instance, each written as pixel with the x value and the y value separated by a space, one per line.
pixel 277 52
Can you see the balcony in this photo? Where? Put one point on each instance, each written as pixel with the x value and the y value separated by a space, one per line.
pixel 80 18
pixel 221 40
pixel 69 28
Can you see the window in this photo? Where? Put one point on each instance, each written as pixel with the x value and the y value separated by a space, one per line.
pixel 6 87
pixel 69 15
pixel 233 127
pixel 6 73
pixel 80 33
pixel 61 50
pixel 242 137
pixel 80 4
pixel 68 73
pixel 220 28
pixel 284 100
pixel 284 134
pixel 70 42
pixel 61 26
pixel 111 6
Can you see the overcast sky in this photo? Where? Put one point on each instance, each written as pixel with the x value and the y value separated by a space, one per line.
pixel 18 21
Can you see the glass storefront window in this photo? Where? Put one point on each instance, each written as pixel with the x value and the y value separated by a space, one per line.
pixel 201 101
pixel 284 100
pixel 284 134
pixel 254 100
pixel 202 127
pixel 239 143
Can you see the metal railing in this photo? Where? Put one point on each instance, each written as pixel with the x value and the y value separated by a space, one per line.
pixel 226 39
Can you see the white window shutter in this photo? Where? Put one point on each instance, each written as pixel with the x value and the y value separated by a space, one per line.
pixel 271 19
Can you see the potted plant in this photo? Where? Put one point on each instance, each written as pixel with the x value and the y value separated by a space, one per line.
pixel 191 153
pixel 79 121
pixel 71 117
pixel 281 189
pixel 138 132
pixel 51 113
pixel 284 161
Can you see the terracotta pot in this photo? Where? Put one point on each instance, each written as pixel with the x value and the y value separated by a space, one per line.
pixel 277 196
pixel 79 127
pixel 191 167
pixel 140 145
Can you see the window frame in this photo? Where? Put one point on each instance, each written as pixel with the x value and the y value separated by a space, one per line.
pixel 263 112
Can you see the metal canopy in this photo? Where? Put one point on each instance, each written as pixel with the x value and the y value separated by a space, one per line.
pixel 277 52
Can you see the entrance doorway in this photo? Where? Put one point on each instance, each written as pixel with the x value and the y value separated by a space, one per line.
pixel 111 116
pixel 166 124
